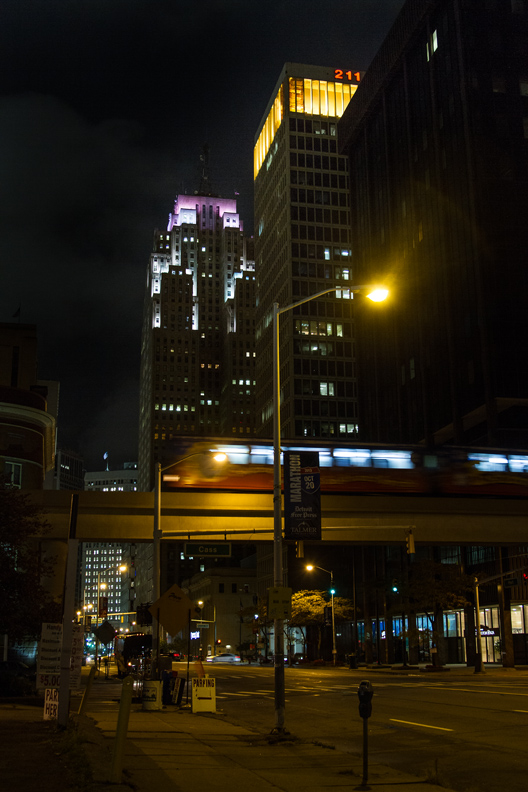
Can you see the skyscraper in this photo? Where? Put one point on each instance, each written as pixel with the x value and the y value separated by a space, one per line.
pixel 197 352
pixel 303 246
pixel 438 143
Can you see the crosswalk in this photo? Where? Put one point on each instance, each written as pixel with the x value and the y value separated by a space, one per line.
pixel 314 689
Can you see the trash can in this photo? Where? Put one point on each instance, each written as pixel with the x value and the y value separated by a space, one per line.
pixel 352 661
pixel 152 695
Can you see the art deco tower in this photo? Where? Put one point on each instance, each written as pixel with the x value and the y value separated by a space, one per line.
pixel 197 352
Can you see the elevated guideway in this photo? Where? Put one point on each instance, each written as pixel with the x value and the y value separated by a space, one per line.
pixel 346 518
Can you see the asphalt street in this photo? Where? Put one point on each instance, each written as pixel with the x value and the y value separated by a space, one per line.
pixel 466 730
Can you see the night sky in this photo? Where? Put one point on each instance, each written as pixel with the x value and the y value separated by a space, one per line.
pixel 104 106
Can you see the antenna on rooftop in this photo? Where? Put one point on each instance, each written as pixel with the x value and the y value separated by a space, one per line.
pixel 205 176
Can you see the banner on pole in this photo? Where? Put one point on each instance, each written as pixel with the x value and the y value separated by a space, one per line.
pixel 302 495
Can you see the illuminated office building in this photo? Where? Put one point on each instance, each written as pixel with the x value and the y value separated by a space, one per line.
pixel 438 142
pixel 197 353
pixel 303 246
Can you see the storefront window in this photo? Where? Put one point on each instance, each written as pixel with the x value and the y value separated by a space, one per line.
pixel 517 617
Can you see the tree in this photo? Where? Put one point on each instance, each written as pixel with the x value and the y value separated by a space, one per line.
pixel 308 611
pixel 435 588
pixel 25 603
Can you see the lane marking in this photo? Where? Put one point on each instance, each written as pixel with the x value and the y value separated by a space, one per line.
pixel 488 692
pixel 237 694
pixel 423 725
pixel 526 711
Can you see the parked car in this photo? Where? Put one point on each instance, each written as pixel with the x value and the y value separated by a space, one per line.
pixel 176 655
pixel 225 657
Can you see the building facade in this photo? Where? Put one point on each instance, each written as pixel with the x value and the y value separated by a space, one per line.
pixel 68 473
pixel 197 355
pixel 27 428
pixel 302 247
pixel 227 597
pixel 437 137
pixel 437 140
pixel 108 564
pixel 123 480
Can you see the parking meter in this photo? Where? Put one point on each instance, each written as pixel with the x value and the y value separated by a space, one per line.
pixel 365 693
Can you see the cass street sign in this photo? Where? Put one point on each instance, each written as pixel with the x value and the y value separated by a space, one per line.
pixel 302 495
pixel 212 549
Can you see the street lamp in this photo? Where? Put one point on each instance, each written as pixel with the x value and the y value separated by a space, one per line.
pixel 157 533
pixel 376 294
pixel 101 587
pixel 310 568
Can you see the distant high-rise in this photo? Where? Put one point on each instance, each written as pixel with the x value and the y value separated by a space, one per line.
pixel 197 353
pixel 303 246
pixel 102 562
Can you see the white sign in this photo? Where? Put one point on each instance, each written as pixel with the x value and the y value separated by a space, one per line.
pixel 76 655
pixel 51 704
pixel 203 694
pixel 49 656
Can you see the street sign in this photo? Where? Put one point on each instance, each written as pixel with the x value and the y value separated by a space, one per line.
pixel 105 632
pixel 279 603
pixel 49 656
pixel 511 582
pixel 302 495
pixel 51 704
pixel 174 610
pixel 212 549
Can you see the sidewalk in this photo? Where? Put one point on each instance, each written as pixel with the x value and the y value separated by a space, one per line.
pixel 172 750
pixel 176 750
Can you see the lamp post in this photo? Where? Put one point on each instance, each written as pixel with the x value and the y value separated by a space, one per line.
pixel 100 587
pixel 376 294
pixel 157 533
pixel 479 665
pixel 311 567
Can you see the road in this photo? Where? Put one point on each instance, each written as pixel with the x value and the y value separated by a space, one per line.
pixel 467 731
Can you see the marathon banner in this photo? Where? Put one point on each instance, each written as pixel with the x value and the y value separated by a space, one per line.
pixel 302 495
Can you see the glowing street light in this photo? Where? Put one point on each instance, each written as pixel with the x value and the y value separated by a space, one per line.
pixel 218 457
pixel 376 294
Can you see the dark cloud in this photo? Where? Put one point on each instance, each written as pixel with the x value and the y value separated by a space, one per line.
pixel 104 105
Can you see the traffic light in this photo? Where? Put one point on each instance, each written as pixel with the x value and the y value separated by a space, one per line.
pixel 328 615
pixel 299 549
pixel 525 577
pixel 395 587
pixel 409 542
pixel 332 591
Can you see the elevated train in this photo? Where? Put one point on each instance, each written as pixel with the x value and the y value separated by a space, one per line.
pixel 359 468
